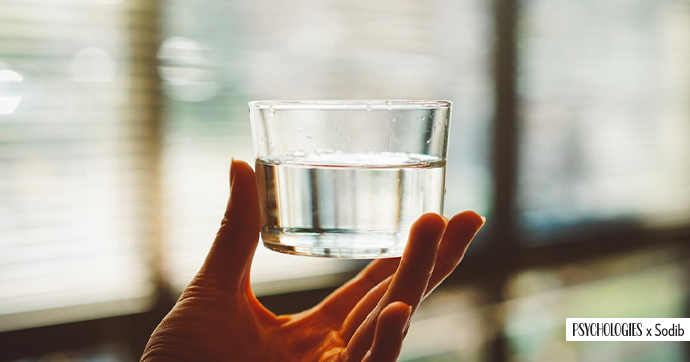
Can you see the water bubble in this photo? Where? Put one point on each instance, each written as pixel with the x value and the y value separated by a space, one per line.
pixel 434 128
pixel 423 118
pixel 369 108
pixel 446 121
pixel 394 119
pixel 428 141
pixel 308 136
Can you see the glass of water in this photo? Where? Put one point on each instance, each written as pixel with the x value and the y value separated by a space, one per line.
pixel 347 179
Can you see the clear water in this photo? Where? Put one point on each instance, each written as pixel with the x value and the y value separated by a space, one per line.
pixel 357 205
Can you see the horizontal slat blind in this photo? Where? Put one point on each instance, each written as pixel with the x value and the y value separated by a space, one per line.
pixel 80 115
pixel 605 91
pixel 73 240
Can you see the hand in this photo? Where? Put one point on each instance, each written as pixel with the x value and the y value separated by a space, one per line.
pixel 218 318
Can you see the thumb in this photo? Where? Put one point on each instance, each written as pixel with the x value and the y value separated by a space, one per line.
pixel 228 262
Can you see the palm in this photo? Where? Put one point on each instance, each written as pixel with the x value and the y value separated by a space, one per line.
pixel 217 318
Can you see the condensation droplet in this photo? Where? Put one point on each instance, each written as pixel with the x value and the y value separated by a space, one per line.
pixel 308 136
pixel 394 119
pixel 272 111
pixel 423 118
pixel 428 141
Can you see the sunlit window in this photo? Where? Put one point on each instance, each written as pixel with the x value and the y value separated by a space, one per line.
pixel 117 134
pixel 73 236
pixel 119 119
pixel 604 93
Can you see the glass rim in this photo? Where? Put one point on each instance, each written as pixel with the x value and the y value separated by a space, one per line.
pixel 338 104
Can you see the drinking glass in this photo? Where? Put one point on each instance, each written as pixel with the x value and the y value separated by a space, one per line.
pixel 347 179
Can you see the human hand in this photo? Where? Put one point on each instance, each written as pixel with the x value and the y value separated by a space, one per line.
pixel 218 318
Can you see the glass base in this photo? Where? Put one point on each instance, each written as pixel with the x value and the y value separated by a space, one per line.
pixel 343 246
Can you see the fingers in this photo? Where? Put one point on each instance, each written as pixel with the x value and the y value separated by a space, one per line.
pixel 459 233
pixel 362 309
pixel 389 334
pixel 409 282
pixel 412 276
pixel 228 261
pixel 338 305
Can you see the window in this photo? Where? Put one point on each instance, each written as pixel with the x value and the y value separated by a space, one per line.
pixel 570 131
pixel 115 158
pixel 606 114
pixel 73 229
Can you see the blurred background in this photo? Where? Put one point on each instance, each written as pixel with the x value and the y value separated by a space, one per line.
pixel 570 132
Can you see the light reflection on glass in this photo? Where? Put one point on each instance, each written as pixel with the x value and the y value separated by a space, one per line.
pixel 9 97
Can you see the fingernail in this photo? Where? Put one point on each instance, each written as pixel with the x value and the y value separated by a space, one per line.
pixel 407 323
pixel 483 222
pixel 232 171
pixel 409 312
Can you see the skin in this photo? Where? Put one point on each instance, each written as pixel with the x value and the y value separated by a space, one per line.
pixel 218 318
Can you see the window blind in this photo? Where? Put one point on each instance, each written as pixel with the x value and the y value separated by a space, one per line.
pixel 72 191
pixel 604 89
pixel 118 119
